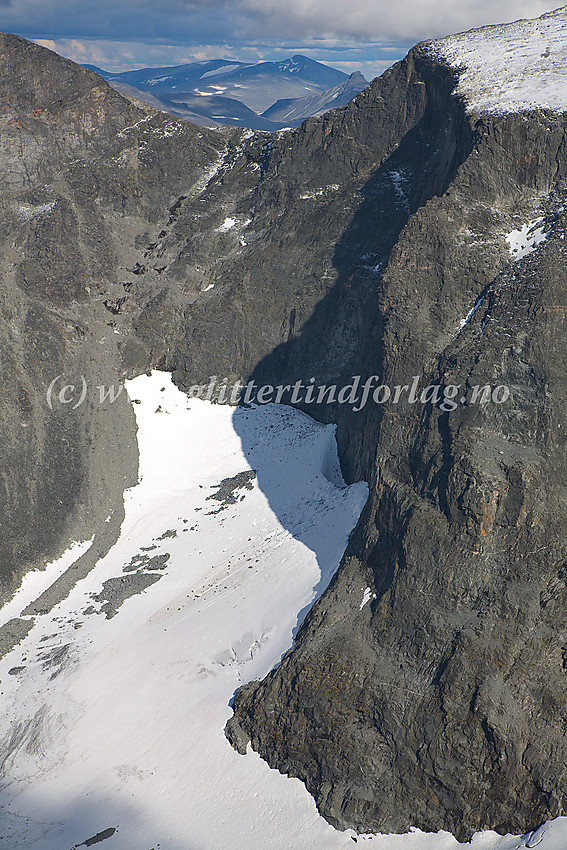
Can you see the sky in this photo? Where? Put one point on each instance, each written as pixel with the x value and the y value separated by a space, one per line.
pixel 366 35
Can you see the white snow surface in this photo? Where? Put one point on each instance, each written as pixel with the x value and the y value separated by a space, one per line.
pixel 224 69
pixel 36 581
pixel 466 320
pixel 399 178
pixel 227 224
pixel 157 80
pixel 315 193
pixel 522 242
pixel 510 67
pixel 27 211
pixel 118 723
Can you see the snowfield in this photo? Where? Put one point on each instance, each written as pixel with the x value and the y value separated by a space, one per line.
pixel 524 241
pixel 113 706
pixel 510 67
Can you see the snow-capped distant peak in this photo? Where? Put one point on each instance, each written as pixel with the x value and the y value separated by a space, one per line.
pixel 510 67
pixel 292 64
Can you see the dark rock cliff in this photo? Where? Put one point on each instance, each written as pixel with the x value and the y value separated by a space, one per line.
pixel 353 245
pixel 440 703
pixel 82 192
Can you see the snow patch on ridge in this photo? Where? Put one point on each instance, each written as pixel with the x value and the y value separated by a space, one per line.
pixel 316 193
pixel 209 174
pixel 157 80
pixel 464 322
pixel 399 179
pixel 510 67
pixel 521 243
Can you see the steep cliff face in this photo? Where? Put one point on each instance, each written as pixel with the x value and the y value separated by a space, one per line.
pixel 316 212
pixel 359 244
pixel 86 181
pixel 440 702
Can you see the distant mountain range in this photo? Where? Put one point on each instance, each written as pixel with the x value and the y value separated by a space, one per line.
pixel 292 111
pixel 262 96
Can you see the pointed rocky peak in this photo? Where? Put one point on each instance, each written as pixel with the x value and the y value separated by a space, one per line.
pixel 358 77
pixel 34 77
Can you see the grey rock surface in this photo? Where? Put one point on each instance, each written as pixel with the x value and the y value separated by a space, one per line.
pixel 87 182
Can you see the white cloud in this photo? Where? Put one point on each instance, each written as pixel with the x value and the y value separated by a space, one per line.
pixel 48 43
pixel 405 19
pixel 364 34
pixel 370 68
pixel 117 56
pixel 239 21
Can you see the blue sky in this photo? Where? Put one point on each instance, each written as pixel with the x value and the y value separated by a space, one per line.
pixel 350 34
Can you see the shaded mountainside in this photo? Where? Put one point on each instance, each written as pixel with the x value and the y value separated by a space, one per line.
pixel 353 245
pixel 441 702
